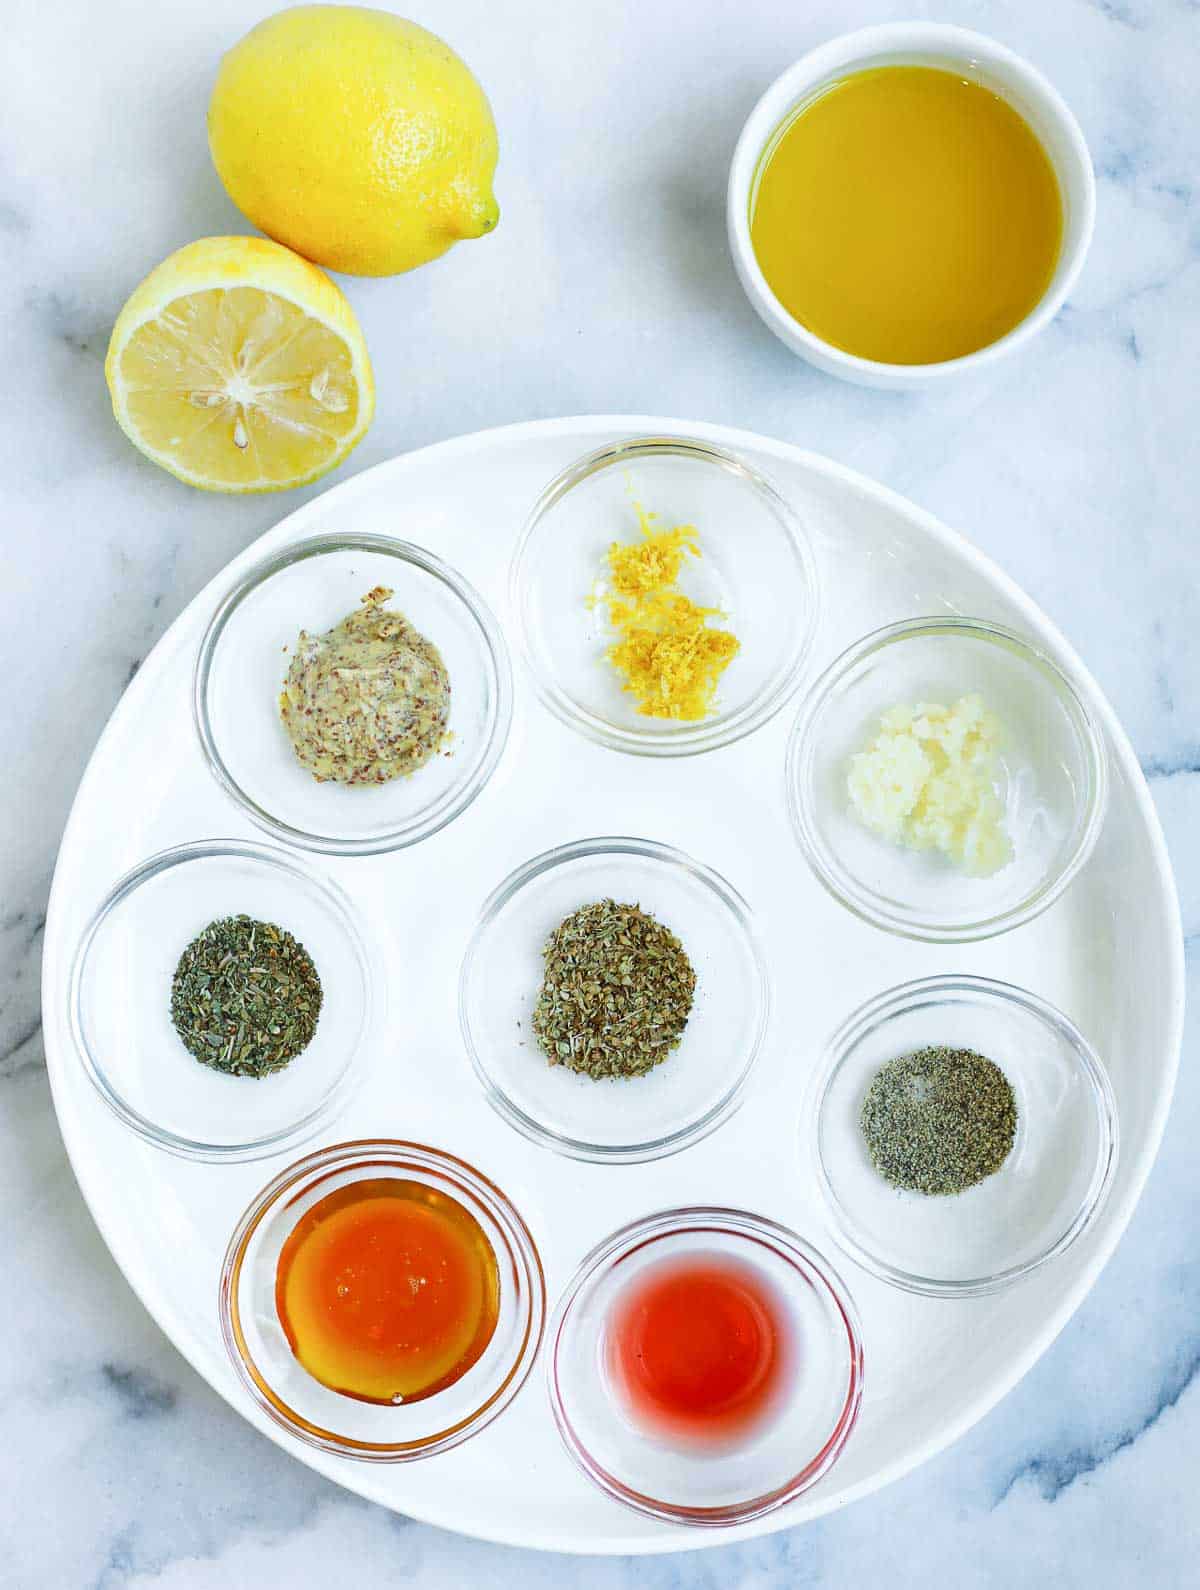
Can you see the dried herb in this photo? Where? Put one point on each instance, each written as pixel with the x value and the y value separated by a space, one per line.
pixel 616 993
pixel 245 997
pixel 939 1120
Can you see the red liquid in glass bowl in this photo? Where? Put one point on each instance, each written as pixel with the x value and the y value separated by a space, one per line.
pixel 699 1350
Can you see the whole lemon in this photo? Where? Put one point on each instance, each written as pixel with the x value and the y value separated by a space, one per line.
pixel 358 139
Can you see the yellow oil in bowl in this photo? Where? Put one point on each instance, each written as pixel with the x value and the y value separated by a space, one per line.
pixel 906 214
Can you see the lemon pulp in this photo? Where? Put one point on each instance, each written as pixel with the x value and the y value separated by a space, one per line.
pixel 240 367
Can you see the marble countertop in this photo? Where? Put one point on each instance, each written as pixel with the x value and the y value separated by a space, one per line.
pixel 606 288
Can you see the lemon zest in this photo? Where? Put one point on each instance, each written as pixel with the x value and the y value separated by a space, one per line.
pixel 669 656
pixel 653 563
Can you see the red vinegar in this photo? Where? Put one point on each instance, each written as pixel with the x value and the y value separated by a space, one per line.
pixel 698 1349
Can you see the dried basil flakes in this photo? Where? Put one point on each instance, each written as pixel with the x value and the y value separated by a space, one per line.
pixel 245 997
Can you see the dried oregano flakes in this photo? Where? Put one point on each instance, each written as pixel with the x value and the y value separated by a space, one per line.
pixel 617 991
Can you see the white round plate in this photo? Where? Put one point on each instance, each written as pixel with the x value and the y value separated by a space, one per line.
pixel 1109 953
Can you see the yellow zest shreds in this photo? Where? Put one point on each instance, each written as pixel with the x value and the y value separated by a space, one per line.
pixel 670 658
pixel 654 562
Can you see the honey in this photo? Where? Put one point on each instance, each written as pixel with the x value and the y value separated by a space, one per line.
pixel 387 1290
pixel 908 215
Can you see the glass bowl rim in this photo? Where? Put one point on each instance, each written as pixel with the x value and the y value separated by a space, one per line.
pixel 417 1159
pixel 801 750
pixel 876 1012
pixel 499 719
pixel 741 1224
pixel 341 909
pixel 723 729
pixel 737 910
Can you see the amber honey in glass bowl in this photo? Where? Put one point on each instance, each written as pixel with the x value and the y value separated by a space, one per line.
pixel 387 1290
pixel 391 1379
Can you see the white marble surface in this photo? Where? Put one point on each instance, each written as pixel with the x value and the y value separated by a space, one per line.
pixel 606 288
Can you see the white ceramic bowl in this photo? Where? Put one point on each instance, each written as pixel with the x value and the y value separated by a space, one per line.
pixel 915 44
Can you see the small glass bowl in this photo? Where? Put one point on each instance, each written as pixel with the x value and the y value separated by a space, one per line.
pixel 756 566
pixel 244 658
pixel 1053 778
pixel 1046 1194
pixel 121 1001
pixel 805 1435
pixel 288 1394
pixel 614 1120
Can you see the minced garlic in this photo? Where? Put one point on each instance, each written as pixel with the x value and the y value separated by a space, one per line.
pixel 670 658
pixel 928 782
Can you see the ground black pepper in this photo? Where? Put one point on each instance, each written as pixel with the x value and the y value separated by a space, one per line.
pixel 939 1120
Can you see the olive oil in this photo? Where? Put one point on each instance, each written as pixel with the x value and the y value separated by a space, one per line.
pixel 907 215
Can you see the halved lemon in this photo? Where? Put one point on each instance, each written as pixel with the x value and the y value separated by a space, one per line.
pixel 239 366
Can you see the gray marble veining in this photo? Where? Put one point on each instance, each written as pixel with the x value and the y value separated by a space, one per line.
pixel 606 288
